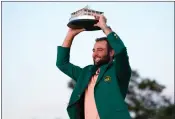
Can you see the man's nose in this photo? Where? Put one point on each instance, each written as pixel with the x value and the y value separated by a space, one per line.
pixel 95 54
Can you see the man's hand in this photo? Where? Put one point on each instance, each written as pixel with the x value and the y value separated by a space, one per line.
pixel 74 32
pixel 102 23
pixel 70 36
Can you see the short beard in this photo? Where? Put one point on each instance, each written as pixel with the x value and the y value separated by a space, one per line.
pixel 104 60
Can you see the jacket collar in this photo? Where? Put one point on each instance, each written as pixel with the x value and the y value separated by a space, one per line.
pixel 103 69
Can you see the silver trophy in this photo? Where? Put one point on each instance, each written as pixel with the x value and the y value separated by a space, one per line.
pixel 84 18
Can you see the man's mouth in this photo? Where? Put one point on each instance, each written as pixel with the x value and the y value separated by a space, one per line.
pixel 97 59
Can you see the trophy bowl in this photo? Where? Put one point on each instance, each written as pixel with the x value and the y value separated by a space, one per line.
pixel 84 18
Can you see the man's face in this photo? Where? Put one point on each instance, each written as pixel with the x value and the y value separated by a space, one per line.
pixel 100 53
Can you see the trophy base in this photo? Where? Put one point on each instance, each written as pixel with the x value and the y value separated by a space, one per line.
pixel 88 24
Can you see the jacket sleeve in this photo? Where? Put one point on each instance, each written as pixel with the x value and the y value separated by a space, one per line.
pixel 121 61
pixel 62 62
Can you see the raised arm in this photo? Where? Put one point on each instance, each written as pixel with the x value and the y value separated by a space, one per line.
pixel 121 61
pixel 63 55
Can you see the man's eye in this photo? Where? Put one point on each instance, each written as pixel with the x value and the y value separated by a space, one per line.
pixel 100 49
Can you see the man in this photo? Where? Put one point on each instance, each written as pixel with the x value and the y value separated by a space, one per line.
pixel 101 88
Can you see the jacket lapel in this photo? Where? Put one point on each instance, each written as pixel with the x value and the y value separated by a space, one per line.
pixel 90 73
pixel 102 71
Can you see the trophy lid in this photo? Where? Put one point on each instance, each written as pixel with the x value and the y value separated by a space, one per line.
pixel 83 18
pixel 87 10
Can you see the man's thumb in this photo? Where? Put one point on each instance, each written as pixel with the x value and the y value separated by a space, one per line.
pixel 95 25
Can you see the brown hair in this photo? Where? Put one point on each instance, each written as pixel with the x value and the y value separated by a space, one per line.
pixel 104 39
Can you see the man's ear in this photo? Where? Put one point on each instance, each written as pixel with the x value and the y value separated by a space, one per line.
pixel 112 53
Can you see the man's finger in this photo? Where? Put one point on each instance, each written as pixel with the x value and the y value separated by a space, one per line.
pixel 95 15
pixel 95 24
pixel 83 29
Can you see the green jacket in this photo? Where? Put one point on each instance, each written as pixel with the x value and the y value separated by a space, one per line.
pixel 111 87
